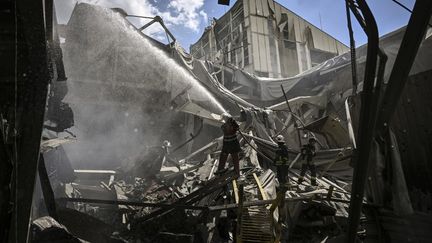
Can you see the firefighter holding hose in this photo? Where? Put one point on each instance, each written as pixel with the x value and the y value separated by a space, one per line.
pixel 231 145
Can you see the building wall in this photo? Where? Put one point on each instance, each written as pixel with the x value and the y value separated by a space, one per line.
pixel 266 39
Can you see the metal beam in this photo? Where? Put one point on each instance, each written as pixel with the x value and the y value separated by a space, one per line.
pixel 408 49
pixel 133 203
pixel 32 80
pixel 366 122
pixel 161 22
pixel 47 190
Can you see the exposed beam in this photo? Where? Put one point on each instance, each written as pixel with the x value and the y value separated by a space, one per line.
pixel 32 78
pixel 366 120
pixel 47 190
pixel 133 203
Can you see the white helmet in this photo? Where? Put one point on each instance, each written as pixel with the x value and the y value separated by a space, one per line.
pixel 166 144
pixel 280 139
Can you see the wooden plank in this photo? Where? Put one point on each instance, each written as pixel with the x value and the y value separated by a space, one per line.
pixel 261 189
pixel 235 188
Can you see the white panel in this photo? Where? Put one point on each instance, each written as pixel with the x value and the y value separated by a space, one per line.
pixel 256 56
pixel 308 57
pixel 317 38
pixel 265 8
pixel 259 10
pixel 298 31
pixel 260 25
pixel 277 13
pixel 252 7
pixel 302 30
pixel 262 51
pixel 328 45
pixel 254 27
pixel 268 57
pixel 271 5
pixel 278 61
pixel 246 7
pixel 249 36
pixel 300 66
pixel 265 26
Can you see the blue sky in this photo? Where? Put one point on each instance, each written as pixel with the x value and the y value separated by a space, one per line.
pixel 187 18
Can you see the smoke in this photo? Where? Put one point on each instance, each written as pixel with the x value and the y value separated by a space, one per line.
pixel 121 89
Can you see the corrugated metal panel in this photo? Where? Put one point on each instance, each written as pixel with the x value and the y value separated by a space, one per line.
pixel 259 10
pixel 297 29
pixel 410 228
pixel 302 27
pixel 278 64
pixel 263 54
pixel 260 25
pixel 247 22
pixel 249 41
pixel 254 27
pixel 256 54
pixel 246 7
pixel 277 13
pixel 268 57
pixel 271 5
pixel 265 8
pixel 252 7
pixel 412 126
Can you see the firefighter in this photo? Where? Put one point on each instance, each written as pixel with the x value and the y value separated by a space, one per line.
pixel 166 145
pixel 281 161
pixel 230 145
pixel 307 154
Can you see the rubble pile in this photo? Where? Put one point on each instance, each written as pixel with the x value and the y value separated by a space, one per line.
pixel 157 193
pixel 189 203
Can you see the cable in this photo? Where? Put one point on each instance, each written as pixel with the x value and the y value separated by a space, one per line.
pixel 403 6
pixel 406 8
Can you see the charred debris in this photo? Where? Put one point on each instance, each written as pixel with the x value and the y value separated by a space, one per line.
pixel 131 137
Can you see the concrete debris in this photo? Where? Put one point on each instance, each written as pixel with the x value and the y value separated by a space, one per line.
pixel 47 229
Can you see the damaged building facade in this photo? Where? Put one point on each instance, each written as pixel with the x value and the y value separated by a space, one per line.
pixel 264 38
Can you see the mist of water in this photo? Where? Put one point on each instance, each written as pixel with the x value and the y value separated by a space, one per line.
pixel 121 88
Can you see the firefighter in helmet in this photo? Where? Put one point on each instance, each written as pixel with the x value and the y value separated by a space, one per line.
pixel 281 161
pixel 307 155
pixel 231 145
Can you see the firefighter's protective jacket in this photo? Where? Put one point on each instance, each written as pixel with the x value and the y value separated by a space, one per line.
pixel 281 155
